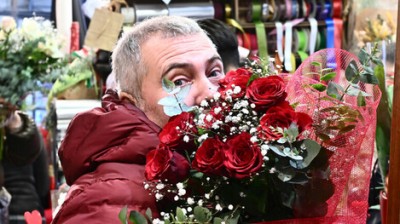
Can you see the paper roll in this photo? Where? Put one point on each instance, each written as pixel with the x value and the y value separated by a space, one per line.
pixel 64 21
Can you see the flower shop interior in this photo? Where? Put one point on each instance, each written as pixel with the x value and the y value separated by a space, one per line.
pixel 55 62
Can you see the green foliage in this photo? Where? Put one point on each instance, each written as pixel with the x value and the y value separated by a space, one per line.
pixel 29 60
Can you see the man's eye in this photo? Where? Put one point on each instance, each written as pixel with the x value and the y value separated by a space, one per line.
pixel 180 82
pixel 214 73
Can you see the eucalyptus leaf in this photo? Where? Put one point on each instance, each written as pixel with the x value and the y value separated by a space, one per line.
pixel 137 218
pixel 312 149
pixel 180 216
pixel 351 72
pixel 368 78
pixel 167 85
pixel 217 220
pixel 363 56
pixel 328 76
pixel 123 214
pixel 319 86
pixel 346 129
pixel 315 63
pixel 202 214
pixel 149 214
pixel 332 90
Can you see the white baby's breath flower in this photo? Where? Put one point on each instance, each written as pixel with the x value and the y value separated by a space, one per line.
pixel 218 207
pixel 253 130
pixel 215 125
pixel 207 196
pixel 181 192
pixel 190 201
pixel 217 110
pixel 209 117
pixel 237 89
pixel 146 186
pixel 200 202
pixel 179 185
pixel 236 119
pixel 157 221
pixel 204 103
pixel 253 105
pixel 203 137
pixel 160 186
pixel 189 209
pixel 230 207
pixel 159 196
pixel 217 95
pixel 254 139
pixel 245 111
pixel 186 138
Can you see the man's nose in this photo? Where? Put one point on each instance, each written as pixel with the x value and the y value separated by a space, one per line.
pixel 200 90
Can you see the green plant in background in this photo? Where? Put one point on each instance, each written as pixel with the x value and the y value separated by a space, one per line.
pixel 30 57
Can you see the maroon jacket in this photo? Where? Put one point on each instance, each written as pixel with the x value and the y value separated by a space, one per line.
pixel 103 156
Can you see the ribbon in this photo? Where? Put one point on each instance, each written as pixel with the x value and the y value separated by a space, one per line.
pixel 288 5
pixel 260 30
pixel 279 37
pixel 302 40
pixel 234 23
pixel 330 33
pixel 313 34
pixel 288 47
pixel 295 9
pixel 337 21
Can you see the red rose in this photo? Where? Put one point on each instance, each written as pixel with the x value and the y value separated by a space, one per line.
pixel 174 131
pixel 164 164
pixel 243 158
pixel 209 157
pixel 281 115
pixel 238 77
pixel 266 92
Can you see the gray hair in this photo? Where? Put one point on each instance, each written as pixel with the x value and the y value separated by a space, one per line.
pixel 126 58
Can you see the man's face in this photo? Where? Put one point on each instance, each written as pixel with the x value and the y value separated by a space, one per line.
pixel 181 60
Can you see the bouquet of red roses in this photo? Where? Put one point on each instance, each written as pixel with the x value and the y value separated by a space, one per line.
pixel 248 154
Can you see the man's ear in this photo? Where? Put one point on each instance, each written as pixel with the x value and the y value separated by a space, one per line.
pixel 127 96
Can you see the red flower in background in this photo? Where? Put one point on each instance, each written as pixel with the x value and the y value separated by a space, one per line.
pixel 164 164
pixel 174 131
pixel 282 116
pixel 209 157
pixel 243 158
pixel 266 92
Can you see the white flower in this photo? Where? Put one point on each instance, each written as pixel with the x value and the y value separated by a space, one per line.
pixel 207 196
pixel 245 111
pixel 186 138
pixel 176 198
pixel 159 196
pixel 190 201
pixel 209 117
pixel 237 89
pixel 203 137
pixel 146 186
pixel 157 221
pixel 179 185
pixel 254 139
pixel 8 23
pixel 217 110
pixel 215 125
pixel 217 95
pixel 204 103
pixel 160 186
pixel 253 105
pixel 200 202
pixel 236 119
pixel 253 130
pixel 181 192
pixel 230 207
pixel 218 207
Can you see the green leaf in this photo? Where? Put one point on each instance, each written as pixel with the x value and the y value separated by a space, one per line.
pixel 328 76
pixel 313 149
pixel 323 137
pixel 137 218
pixel 202 214
pixel 149 214
pixel 363 56
pixel 168 85
pixel 196 174
pixel 315 63
pixel 217 220
pixel 180 216
pixel 351 72
pixel 368 78
pixel 319 86
pixel 361 100
pixel 122 215
pixel 252 77
pixel 332 90
pixel 346 129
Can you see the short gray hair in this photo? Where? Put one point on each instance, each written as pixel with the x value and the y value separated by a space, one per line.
pixel 126 58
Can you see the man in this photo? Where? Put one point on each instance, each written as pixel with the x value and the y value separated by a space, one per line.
pixel 103 152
